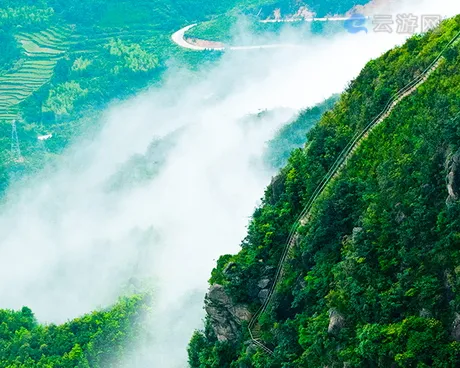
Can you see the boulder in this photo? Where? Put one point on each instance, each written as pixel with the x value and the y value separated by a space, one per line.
pixel 263 283
pixel 263 295
pixel 336 322
pixel 456 327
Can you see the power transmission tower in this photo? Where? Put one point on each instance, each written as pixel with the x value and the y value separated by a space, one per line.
pixel 15 149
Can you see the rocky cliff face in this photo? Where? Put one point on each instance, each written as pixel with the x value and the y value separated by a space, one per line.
pixel 226 317
pixel 453 176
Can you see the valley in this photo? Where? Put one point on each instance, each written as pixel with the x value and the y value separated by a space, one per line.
pixel 235 184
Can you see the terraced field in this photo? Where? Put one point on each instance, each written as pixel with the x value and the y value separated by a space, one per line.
pixel 144 35
pixel 41 51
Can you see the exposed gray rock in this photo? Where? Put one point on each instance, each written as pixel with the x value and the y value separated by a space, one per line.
pixel 355 233
pixel 263 283
pixel 400 216
pixel 336 321
pixel 425 313
pixel 449 282
pixel 263 294
pixel 453 177
pixel 225 316
pixel 269 269
pixel 456 327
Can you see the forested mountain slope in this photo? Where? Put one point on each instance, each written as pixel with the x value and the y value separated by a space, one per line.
pixel 292 135
pixel 99 339
pixel 374 278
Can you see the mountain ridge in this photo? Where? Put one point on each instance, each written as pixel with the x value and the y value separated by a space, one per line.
pixel 318 317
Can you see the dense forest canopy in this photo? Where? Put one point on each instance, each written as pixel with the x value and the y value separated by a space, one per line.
pixel 374 276
pixel 100 339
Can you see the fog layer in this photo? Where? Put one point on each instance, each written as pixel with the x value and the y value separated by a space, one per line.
pixel 72 243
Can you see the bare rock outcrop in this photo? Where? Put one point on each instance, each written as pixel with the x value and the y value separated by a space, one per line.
pixel 356 232
pixel 453 177
pixel 263 295
pixel 263 283
pixel 400 215
pixel 336 322
pixel 226 317
pixel 456 327
pixel 264 291
pixel 425 313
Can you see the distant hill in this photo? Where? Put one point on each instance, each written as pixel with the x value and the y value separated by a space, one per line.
pixel 294 134
pixel 62 61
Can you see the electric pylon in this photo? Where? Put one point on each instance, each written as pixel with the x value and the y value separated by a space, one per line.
pixel 15 149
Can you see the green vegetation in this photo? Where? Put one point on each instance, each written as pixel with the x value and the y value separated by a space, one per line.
pixel 99 339
pixel 293 135
pixel 374 278
pixel 62 62
pixel 225 29
pixel 220 28
pixel 320 8
pixel 41 50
